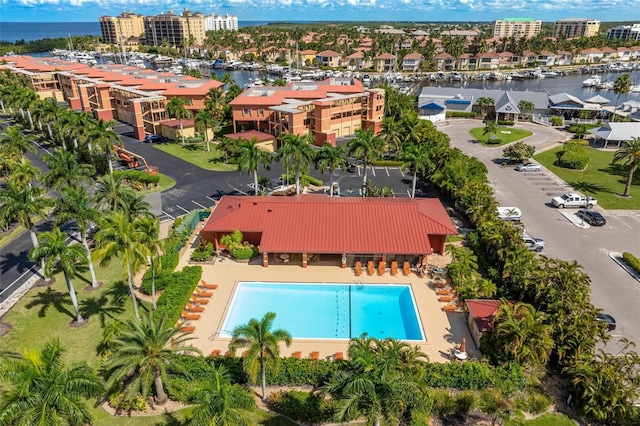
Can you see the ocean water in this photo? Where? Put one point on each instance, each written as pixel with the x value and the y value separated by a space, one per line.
pixel 29 31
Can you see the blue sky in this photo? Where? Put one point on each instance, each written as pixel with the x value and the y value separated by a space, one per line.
pixel 327 10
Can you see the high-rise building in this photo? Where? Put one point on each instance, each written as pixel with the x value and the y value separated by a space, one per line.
pixel 117 29
pixel 517 27
pixel 188 26
pixel 624 32
pixel 576 28
pixel 220 23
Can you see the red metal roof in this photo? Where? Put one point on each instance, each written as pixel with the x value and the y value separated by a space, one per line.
pixel 313 223
pixel 248 135
pixel 483 311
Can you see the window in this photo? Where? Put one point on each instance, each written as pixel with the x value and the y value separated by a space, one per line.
pixel 261 111
pixel 246 111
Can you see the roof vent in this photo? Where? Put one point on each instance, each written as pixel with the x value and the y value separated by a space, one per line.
pixel 269 210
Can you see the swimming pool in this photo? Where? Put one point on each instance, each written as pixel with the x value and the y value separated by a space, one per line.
pixel 328 311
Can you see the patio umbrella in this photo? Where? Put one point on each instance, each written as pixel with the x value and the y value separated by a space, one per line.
pixel 463 345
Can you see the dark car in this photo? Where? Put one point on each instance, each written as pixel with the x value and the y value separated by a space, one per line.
pixel 351 168
pixel 609 320
pixel 154 138
pixel 592 217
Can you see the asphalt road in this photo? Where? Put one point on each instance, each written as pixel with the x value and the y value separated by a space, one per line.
pixel 612 289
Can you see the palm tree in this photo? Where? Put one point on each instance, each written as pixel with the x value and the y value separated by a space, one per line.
pixel 135 206
pixel 143 351
pixel 490 128
pixel 620 86
pixel 297 153
pixel 65 170
pixel 250 157
pixel 24 173
pixel 630 154
pixel 204 120
pixel 43 390
pixel 17 141
pixel 102 134
pixel 332 158
pixel 176 108
pixel 74 204
pixel 57 255
pixel 485 103
pixel 219 403
pixel 22 205
pixel 366 147
pixel 417 159
pixel 111 192
pixel 149 231
pixel 262 343
pixel 118 236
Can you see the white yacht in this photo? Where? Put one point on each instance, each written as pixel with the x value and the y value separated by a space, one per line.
pixel 594 80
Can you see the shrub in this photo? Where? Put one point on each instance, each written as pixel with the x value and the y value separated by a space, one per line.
pixel 302 406
pixel 163 274
pixel 506 123
pixel 494 141
pixel 475 375
pixel 443 403
pixel 537 403
pixel 177 293
pixel 632 261
pixel 305 180
pixel 121 403
pixel 132 176
pixel 246 251
pixel 203 251
pixel 458 114
pixel 573 156
pixel 464 402
pixel 557 120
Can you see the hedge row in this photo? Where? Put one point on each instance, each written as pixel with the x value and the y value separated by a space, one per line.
pixel 137 176
pixel 474 376
pixel 573 156
pixel 164 266
pixel 303 406
pixel 175 296
pixel 632 261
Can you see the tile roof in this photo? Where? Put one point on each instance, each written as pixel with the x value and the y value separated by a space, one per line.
pixel 248 135
pixel 328 54
pixel 483 311
pixel 321 224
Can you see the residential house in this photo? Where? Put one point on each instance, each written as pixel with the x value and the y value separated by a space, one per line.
pixel 357 61
pixel 308 57
pixel 608 54
pixel 508 59
pixel 467 62
pixel 488 61
pixel 411 62
pixel 329 58
pixel 274 54
pixel 444 61
pixel 546 58
pixel 564 57
pixel 624 54
pixel 384 62
pixel 529 59
pixel 588 56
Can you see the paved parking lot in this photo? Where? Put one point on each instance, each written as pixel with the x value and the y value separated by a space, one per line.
pixel 613 289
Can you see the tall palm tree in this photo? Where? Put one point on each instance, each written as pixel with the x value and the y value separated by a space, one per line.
pixel 250 157
pixel 296 153
pixel 417 159
pixel 629 154
pixel 111 192
pixel 135 206
pixel 75 204
pixel 143 351
pixel 219 403
pixel 42 390
pixel 262 343
pixel 17 141
pixel 204 120
pixel 22 204
pixel 65 169
pixel 490 128
pixel 118 236
pixel 366 147
pixel 24 173
pixel 58 255
pixel 332 158
pixel 621 85
pixel 103 138
pixel 149 231
pixel 177 108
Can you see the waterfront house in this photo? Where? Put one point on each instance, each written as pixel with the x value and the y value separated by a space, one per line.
pixel 444 61
pixel 385 62
pixel 624 54
pixel 529 59
pixel 467 62
pixel 564 57
pixel 357 61
pixel 488 61
pixel 329 58
pixel 508 59
pixel 308 57
pixel 589 56
pixel 608 54
pixel 411 62
pixel 546 58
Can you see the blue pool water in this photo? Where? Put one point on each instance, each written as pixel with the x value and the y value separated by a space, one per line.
pixel 328 311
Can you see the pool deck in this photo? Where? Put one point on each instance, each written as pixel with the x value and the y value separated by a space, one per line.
pixel 443 330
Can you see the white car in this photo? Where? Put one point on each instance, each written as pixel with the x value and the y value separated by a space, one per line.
pixel 509 213
pixel 531 167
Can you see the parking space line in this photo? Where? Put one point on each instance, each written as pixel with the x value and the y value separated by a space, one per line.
pixel 181 208
pixel 236 189
pixel 622 222
pixel 387 170
pixel 373 170
pixel 165 213
pixel 214 201
pixel 401 171
pixel 198 204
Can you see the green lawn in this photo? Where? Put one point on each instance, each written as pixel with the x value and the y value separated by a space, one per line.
pixel 549 419
pixel 600 179
pixel 165 183
pixel 505 134
pixel 196 153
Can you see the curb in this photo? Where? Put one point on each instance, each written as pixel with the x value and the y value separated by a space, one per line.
pixel 17 295
pixel 617 257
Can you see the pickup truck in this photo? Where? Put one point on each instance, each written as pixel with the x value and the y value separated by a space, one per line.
pixel 573 200
pixel 533 243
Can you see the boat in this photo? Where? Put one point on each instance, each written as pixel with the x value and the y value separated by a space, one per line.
pixel 592 81
pixel 605 85
pixel 366 79
pixel 635 88
pixel 495 76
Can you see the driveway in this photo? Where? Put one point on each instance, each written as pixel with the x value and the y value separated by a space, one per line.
pixel 613 290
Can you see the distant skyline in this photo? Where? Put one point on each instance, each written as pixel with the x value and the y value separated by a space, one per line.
pixel 326 10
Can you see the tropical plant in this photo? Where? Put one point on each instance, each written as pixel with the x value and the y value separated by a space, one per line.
pixel 262 343
pixel 332 158
pixel 65 169
pixel 629 155
pixel 220 403
pixel 485 103
pixel 296 153
pixel 526 106
pixel 42 390
pixel 110 193
pixel 142 355
pixel 490 129
pixel 518 152
pixel 622 85
pixel 250 157
pixel 117 237
pixel 23 173
pixel 149 230
pixel 177 108
pixel 102 135
pixel 17 141
pixel 204 120
pixel 135 206
pixel 417 159
pixel 366 146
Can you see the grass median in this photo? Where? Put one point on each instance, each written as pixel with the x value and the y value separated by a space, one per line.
pixel 601 179
pixel 197 154
pixel 504 134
